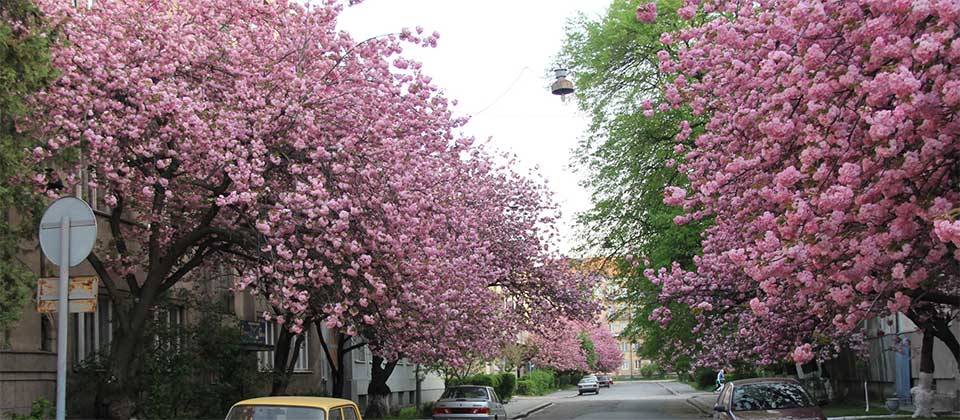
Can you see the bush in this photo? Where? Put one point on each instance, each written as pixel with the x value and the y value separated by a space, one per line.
pixel 41 409
pixel 525 387
pixel 426 409
pixel 568 378
pixel 705 378
pixel 541 382
pixel 651 370
pixel 196 370
pixel 507 386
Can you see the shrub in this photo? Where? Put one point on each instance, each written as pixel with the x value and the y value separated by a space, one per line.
pixel 542 381
pixel 507 386
pixel 41 409
pixel 651 370
pixel 525 387
pixel 426 409
pixel 705 378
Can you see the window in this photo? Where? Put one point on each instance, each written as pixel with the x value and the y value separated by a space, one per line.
pixel 169 324
pixel 625 365
pixel 336 414
pixel 350 413
pixel 275 412
pixel 637 364
pixel 361 355
pixel 770 396
pixel 93 331
pixel 265 358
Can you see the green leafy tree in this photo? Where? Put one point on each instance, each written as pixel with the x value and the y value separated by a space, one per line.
pixel 588 349
pixel 25 68
pixel 629 155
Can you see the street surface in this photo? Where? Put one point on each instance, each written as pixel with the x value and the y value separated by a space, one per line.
pixel 624 400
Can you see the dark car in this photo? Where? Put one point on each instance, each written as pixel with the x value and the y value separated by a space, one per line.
pixel 604 381
pixel 766 398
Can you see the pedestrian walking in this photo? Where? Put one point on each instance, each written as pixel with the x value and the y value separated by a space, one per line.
pixel 720 380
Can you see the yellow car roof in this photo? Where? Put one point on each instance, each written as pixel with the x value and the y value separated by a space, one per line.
pixel 315 402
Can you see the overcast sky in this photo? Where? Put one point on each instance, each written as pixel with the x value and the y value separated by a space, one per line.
pixel 494 57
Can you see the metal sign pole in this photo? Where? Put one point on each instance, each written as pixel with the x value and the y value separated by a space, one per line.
pixel 69 247
pixel 62 312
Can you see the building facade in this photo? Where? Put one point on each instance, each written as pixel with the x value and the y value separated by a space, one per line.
pixel 28 349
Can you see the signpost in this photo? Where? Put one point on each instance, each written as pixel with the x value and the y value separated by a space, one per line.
pixel 68 231
pixel 82 294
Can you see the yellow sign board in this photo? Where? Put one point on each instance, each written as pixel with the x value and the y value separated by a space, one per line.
pixel 82 294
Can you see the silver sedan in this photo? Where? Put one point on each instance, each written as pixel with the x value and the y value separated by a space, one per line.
pixel 469 402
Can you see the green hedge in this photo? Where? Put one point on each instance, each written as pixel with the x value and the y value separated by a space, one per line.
pixel 525 387
pixel 507 386
pixel 505 383
pixel 538 382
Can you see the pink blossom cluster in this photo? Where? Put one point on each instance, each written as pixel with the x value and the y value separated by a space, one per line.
pixel 327 171
pixel 559 348
pixel 609 356
pixel 829 163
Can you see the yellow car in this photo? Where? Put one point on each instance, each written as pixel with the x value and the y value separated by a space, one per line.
pixel 294 408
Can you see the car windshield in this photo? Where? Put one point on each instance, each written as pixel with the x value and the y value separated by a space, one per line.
pixel 274 412
pixel 769 396
pixel 588 380
pixel 465 392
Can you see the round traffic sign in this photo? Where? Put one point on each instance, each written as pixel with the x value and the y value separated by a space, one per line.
pixel 83 229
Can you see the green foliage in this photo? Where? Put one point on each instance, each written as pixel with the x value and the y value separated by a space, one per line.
pixel 426 409
pixel 565 379
pixel 504 383
pixel 625 156
pixel 588 349
pixel 507 386
pixel 537 382
pixel 525 387
pixel 41 409
pixel 651 370
pixel 196 370
pixel 24 69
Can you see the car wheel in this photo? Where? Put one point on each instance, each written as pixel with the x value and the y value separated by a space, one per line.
pixel 579 392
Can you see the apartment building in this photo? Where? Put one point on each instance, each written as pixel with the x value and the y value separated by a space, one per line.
pixel 28 350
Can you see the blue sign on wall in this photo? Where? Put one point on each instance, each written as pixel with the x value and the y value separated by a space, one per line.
pixel 254 332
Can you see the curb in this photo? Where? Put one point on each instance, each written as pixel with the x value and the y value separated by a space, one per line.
pixel 533 410
pixel 882 416
pixel 670 390
pixel 697 407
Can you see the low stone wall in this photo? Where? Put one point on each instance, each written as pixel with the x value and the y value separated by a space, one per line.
pixel 25 377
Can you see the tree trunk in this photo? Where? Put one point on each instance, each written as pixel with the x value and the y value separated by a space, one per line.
pixel 281 351
pixel 126 348
pixel 933 325
pixel 378 392
pixel 334 360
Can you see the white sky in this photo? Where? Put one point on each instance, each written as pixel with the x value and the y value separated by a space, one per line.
pixel 486 47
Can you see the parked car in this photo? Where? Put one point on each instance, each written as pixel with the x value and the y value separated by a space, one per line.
pixel 604 381
pixel 765 398
pixel 469 402
pixel 301 408
pixel 588 384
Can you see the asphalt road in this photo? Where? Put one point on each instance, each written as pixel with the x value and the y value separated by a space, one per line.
pixel 625 400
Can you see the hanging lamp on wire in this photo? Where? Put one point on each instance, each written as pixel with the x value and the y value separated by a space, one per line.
pixel 562 86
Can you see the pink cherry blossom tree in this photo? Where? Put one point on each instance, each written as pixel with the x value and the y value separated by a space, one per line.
pixel 560 348
pixel 253 133
pixel 829 167
pixel 609 356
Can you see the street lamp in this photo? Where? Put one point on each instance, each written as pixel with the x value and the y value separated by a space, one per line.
pixel 561 86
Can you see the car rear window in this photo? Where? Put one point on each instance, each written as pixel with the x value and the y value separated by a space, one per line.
pixel 465 392
pixel 274 412
pixel 769 396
